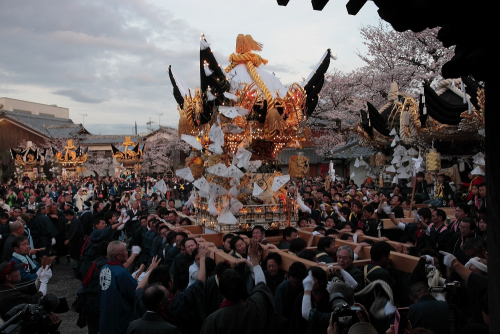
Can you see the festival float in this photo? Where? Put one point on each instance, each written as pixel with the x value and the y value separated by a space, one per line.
pixel 237 121
pixel 28 160
pixel 129 155
pixel 446 123
pixel 71 159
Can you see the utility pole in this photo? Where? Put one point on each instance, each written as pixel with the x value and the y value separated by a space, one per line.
pixel 83 115
pixel 150 124
pixel 159 115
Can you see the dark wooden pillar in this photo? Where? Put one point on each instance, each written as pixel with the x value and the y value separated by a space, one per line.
pixel 492 119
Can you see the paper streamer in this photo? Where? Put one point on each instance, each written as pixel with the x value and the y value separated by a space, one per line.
pixel 279 181
pixel 191 140
pixel 185 173
pixel 256 189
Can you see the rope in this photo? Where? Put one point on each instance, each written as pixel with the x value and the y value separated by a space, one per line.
pixel 252 60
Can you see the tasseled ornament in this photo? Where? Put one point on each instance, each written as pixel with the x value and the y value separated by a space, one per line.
pixel 210 96
pixel 306 132
pixel 185 127
pixel 208 71
pixel 274 124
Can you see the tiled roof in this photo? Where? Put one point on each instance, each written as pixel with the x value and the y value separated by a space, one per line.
pixel 107 139
pixel 351 150
pixel 46 125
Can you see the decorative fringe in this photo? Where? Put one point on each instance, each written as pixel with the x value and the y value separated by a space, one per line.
pixel 274 124
pixel 245 43
pixel 208 71
pixel 307 132
pixel 210 96
pixel 298 166
pixel 185 127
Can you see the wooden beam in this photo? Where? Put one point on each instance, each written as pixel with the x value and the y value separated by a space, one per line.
pixel 288 259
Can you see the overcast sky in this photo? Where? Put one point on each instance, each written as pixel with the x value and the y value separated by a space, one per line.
pixel 109 58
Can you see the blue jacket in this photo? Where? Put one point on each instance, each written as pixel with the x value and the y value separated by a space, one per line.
pixel 116 299
pixel 28 274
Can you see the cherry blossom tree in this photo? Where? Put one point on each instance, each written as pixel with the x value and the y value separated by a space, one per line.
pixel 98 163
pixel 161 151
pixel 405 58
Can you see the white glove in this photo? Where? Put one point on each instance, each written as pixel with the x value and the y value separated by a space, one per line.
pixel 416 216
pixel 447 258
pixel 53 241
pixel 121 227
pixel 349 280
pixel 342 219
pixel 428 259
pixel 136 250
pixel 308 282
pixel 336 208
pixel 39 272
pixel 45 276
pixel 386 208
pixel 322 206
pixel 389 308
pixel 43 288
pixel 315 233
pixel 135 218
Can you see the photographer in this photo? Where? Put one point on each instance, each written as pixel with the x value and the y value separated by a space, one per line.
pixel 341 305
pixel 426 311
pixel 12 294
pixel 33 318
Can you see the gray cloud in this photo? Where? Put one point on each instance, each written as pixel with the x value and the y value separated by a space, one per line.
pixel 119 49
pixel 78 96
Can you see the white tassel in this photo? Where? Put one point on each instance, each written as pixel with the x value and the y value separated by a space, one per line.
pixel 301 204
pixel 210 96
pixel 208 71
pixel 463 91
pixel 470 107
pixel 425 110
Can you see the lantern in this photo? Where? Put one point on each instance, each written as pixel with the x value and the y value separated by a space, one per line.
pixel 433 161
pixel 379 159
pixel 298 166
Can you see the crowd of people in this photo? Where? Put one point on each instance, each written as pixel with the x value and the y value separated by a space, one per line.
pixel 142 271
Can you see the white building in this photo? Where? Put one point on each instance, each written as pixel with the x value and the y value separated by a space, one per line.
pixel 33 108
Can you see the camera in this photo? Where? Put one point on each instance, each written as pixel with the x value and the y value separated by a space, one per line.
pixel 452 290
pixel 33 318
pixel 343 314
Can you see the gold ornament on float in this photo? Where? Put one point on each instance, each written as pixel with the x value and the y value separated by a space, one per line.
pixel 380 159
pixel 298 166
pixel 433 159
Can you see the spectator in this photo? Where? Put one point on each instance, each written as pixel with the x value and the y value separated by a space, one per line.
pixel 287 291
pixel 426 311
pixel 116 291
pixel 345 258
pixel 254 315
pixel 467 227
pixel 226 243
pixel 274 274
pixel 156 301
pixel 289 234
pixel 259 234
